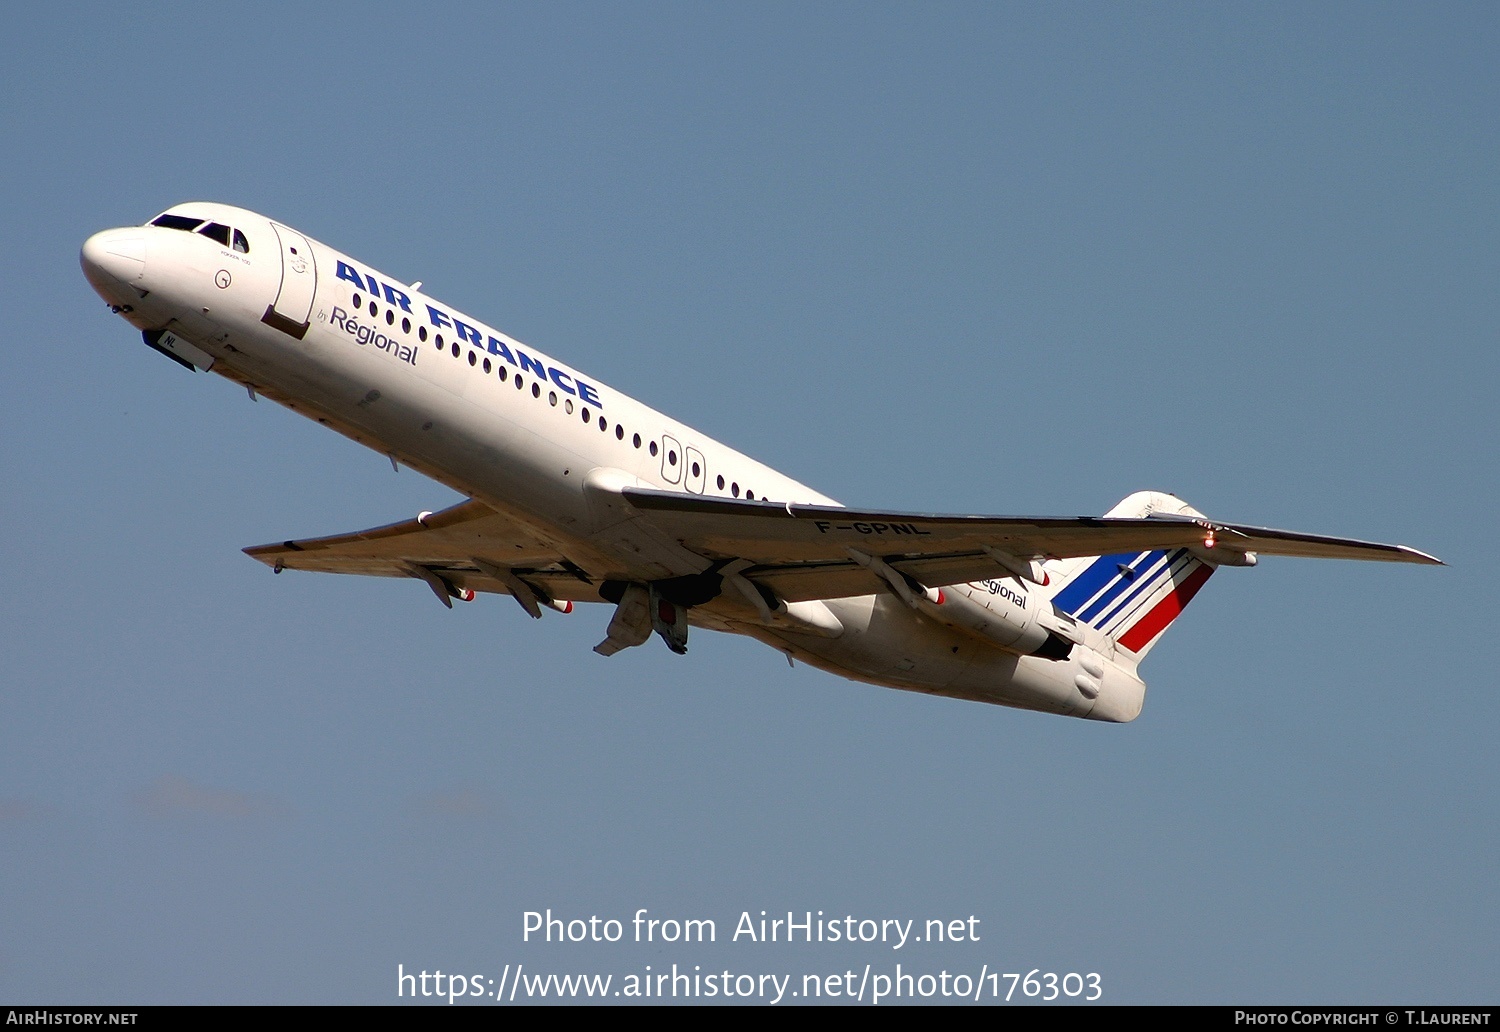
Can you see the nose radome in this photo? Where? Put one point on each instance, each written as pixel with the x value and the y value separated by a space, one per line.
pixel 117 255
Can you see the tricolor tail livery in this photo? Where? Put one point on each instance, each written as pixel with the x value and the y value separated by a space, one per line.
pixel 1133 597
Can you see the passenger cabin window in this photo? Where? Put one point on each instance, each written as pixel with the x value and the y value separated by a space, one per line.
pixel 216 231
pixel 181 222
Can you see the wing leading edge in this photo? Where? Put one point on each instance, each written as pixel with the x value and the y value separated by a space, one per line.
pixel 467 547
pixel 803 551
pixel 800 552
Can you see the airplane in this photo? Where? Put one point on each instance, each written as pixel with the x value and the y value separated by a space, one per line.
pixel 577 493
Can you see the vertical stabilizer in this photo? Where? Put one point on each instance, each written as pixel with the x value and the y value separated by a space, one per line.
pixel 1133 597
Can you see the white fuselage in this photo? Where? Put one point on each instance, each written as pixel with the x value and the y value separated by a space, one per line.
pixel 390 367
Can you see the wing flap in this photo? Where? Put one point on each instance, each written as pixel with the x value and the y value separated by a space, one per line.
pixel 446 543
pixel 1316 546
pixel 808 581
pixel 801 551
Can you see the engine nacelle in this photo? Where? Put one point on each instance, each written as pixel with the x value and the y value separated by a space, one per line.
pixel 995 612
pixel 1001 614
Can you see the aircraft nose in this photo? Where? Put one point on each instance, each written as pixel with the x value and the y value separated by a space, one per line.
pixel 112 257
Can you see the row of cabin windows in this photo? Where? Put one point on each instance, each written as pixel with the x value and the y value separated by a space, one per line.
pixel 536 391
pixel 216 231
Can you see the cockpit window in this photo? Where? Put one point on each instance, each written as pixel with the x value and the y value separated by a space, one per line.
pixel 181 222
pixel 215 231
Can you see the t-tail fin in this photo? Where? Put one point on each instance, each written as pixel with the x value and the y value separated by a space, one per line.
pixel 1132 596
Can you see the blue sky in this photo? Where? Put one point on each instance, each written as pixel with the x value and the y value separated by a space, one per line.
pixel 969 258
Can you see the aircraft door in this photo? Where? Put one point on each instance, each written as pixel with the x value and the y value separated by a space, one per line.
pixel 671 459
pixel 697 470
pixel 292 309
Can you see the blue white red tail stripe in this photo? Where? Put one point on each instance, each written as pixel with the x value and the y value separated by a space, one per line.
pixel 1132 597
pixel 1170 569
pixel 1145 572
pixel 1087 584
pixel 1149 627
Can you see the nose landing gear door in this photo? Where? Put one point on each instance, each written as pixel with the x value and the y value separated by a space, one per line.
pixel 290 312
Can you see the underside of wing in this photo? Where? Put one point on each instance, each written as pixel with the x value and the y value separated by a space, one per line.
pixel 469 546
pixel 808 551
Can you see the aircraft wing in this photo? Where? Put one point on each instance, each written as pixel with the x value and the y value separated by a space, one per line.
pixel 800 552
pixel 469 546
pixel 803 551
